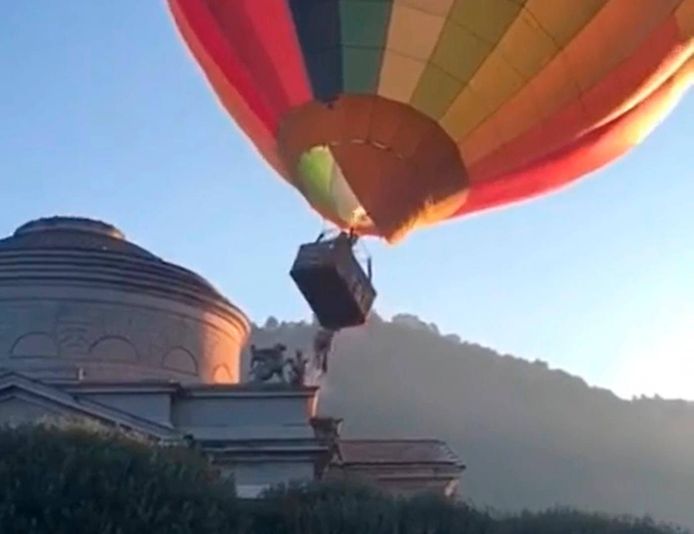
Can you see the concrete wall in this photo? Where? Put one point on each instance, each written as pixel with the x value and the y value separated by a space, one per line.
pixel 115 335
pixel 240 410
pixel 151 406
pixel 263 438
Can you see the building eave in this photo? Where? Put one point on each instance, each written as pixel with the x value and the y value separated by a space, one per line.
pixel 248 391
pixel 243 390
pixel 17 385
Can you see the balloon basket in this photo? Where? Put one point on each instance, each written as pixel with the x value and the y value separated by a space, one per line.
pixel 333 282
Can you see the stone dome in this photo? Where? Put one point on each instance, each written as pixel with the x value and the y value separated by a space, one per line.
pixel 79 301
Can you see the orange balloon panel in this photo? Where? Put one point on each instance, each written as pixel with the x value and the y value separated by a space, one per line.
pixel 388 115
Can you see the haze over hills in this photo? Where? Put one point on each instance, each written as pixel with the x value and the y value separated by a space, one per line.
pixel 532 437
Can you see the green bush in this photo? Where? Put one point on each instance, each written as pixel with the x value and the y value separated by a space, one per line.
pixel 76 479
pixel 62 479
pixel 340 508
pixel 331 507
pixel 566 521
pixel 432 514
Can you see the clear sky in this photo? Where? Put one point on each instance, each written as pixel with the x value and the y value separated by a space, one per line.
pixel 104 114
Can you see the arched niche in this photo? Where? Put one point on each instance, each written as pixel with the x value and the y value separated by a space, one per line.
pixel 34 345
pixel 114 348
pixel 222 375
pixel 181 360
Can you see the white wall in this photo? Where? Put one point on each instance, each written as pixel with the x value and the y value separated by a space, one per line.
pixel 240 411
pixel 152 406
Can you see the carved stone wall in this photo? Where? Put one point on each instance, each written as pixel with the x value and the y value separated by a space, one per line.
pixel 77 301
pixel 117 340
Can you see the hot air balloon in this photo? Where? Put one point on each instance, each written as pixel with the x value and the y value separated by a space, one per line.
pixel 390 115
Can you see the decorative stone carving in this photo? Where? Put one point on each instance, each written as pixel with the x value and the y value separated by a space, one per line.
pixel 272 363
pixel 297 369
pixel 73 330
pixel 114 349
pixel 268 363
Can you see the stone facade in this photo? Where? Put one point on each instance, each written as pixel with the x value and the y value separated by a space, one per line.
pixel 262 437
pixel 77 300
pixel 93 326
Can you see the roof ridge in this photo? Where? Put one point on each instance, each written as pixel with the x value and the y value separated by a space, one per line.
pixel 392 440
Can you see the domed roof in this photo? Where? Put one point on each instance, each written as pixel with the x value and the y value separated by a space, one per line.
pixel 89 268
pixel 71 232
pixel 99 251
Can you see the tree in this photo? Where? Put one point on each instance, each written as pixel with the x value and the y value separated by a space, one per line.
pixel 64 479
pixel 433 514
pixel 566 521
pixel 334 507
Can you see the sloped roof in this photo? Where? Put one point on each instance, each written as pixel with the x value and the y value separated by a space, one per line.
pixel 396 452
pixel 15 384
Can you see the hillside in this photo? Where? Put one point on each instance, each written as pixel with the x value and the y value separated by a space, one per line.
pixel 531 437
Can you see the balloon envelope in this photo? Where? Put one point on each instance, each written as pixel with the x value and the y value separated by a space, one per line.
pixel 387 115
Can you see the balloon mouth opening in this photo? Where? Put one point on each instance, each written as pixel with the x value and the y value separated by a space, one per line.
pixel 373 165
pixel 322 181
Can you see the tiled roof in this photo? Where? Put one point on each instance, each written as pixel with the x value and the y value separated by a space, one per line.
pixel 400 451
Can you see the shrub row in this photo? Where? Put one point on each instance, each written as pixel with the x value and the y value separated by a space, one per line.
pixel 62 479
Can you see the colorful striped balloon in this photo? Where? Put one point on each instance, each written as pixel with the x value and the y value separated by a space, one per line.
pixel 388 115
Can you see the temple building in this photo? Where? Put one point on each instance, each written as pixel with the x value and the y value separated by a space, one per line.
pixel 93 326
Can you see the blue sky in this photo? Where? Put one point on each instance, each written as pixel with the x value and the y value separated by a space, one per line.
pixel 103 114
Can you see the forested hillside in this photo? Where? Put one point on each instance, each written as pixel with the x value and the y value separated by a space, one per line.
pixel 530 436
